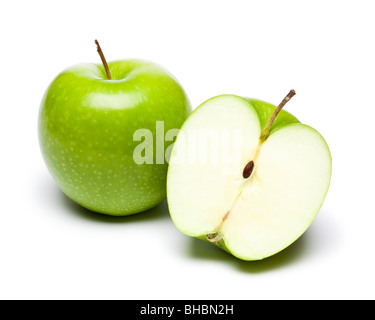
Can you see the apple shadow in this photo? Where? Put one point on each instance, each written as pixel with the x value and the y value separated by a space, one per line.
pixel 49 193
pixel 322 238
pixel 159 212
pixel 199 249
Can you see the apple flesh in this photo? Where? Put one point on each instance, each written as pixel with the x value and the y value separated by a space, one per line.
pixel 86 129
pixel 263 201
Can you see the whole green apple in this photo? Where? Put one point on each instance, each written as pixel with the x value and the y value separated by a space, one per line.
pixel 86 131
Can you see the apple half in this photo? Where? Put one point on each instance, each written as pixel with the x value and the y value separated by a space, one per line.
pixel 246 176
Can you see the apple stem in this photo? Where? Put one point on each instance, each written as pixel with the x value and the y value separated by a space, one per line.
pixel 266 131
pixel 103 60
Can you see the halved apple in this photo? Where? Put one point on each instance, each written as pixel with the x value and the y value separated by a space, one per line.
pixel 246 176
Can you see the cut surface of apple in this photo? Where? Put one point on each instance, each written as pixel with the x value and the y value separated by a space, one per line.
pixel 252 217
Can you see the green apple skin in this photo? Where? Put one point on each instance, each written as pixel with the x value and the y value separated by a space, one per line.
pixel 264 111
pixel 86 128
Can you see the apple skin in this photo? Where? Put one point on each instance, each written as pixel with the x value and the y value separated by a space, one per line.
pixel 264 111
pixel 86 127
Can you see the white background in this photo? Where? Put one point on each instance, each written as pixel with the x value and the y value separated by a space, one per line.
pixel 50 248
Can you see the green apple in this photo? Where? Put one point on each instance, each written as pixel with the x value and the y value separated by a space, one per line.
pixel 87 123
pixel 270 191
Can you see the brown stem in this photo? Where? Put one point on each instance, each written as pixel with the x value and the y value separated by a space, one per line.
pixel 266 131
pixel 103 60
